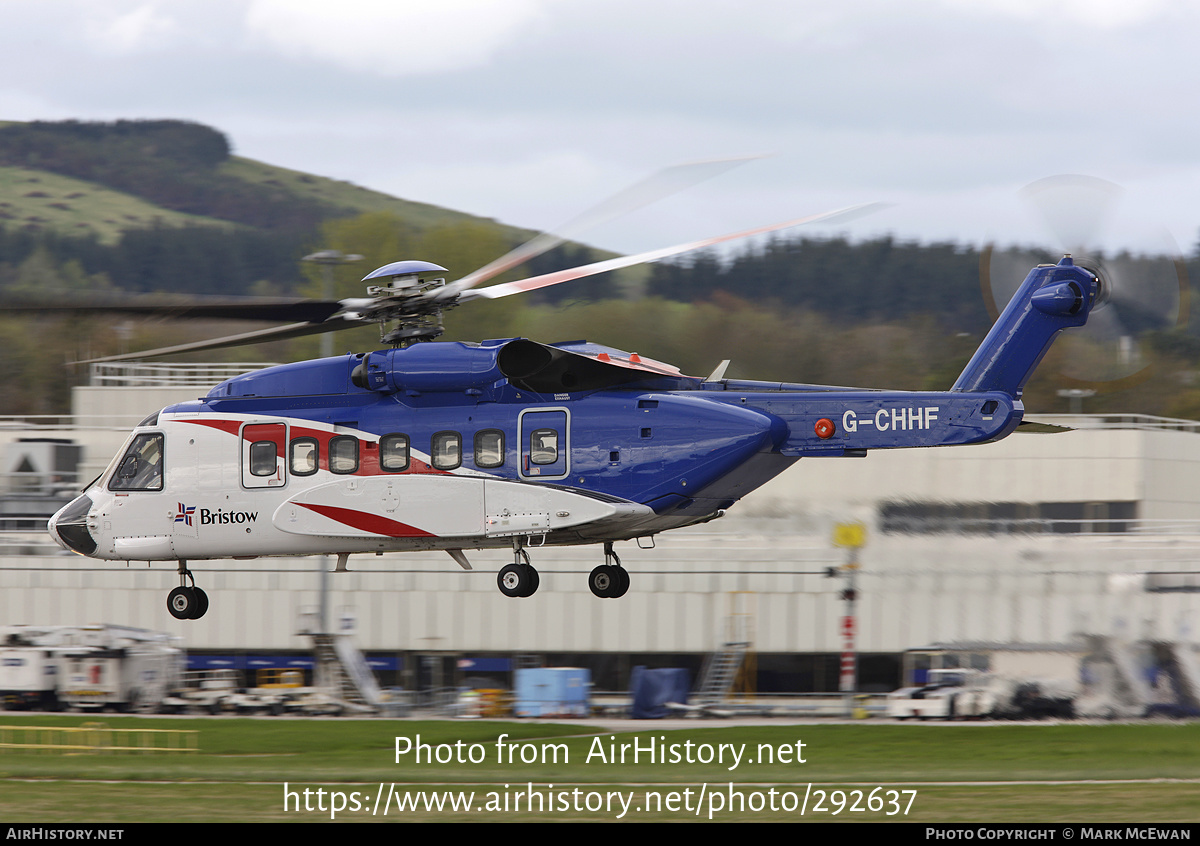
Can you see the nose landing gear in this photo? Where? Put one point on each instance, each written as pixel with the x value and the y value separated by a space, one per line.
pixel 187 602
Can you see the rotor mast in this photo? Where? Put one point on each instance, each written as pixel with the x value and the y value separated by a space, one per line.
pixel 408 299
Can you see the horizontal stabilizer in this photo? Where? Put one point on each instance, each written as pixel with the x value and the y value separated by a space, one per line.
pixel 1037 427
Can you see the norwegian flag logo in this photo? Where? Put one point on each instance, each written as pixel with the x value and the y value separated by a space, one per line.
pixel 184 514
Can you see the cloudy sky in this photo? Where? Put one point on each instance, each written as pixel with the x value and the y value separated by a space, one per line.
pixel 531 110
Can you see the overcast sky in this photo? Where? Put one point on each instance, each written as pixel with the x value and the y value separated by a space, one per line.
pixel 531 110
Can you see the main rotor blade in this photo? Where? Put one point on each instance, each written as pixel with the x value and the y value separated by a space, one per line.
pixel 261 336
pixel 194 308
pixel 547 279
pixel 669 180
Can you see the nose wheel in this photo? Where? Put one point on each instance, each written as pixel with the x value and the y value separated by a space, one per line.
pixel 187 602
pixel 610 580
pixel 518 578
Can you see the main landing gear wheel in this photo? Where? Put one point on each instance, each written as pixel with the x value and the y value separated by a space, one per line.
pixel 603 581
pixel 201 603
pixel 519 579
pixel 623 585
pixel 609 581
pixel 187 602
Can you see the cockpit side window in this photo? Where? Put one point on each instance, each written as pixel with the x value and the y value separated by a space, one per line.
pixel 141 467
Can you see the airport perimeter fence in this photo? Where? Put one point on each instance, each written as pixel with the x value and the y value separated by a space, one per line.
pixel 96 739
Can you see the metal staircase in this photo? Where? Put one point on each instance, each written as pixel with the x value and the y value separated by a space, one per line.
pixel 723 666
pixel 719 672
pixel 342 671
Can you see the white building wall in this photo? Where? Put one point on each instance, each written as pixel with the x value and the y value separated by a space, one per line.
pixel 1079 466
pixel 110 414
pixel 914 591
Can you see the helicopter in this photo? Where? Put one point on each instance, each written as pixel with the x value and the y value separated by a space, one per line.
pixel 507 443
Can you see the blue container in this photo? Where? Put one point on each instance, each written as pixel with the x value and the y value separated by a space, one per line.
pixel 553 692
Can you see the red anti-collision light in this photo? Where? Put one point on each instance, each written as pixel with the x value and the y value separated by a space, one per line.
pixel 824 428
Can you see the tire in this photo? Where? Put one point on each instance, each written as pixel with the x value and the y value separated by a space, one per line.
pixel 514 580
pixel 622 583
pixel 603 581
pixel 201 604
pixel 534 581
pixel 182 603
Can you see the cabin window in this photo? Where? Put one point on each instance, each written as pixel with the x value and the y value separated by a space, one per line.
pixel 264 458
pixel 343 454
pixel 305 454
pixel 445 451
pixel 489 448
pixel 543 446
pixel 393 453
pixel 141 467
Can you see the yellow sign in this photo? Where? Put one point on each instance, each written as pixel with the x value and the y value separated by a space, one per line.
pixel 849 534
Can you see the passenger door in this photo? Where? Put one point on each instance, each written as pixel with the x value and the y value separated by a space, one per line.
pixel 264 455
pixel 545 439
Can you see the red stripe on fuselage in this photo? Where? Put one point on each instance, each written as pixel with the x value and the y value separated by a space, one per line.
pixel 230 426
pixel 363 521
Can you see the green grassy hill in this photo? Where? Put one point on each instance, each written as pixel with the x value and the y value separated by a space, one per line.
pixel 352 199
pixel 132 205
pixel 39 200
pixel 77 179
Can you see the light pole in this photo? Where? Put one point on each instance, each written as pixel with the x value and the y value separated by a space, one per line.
pixel 1076 396
pixel 327 259
pixel 851 537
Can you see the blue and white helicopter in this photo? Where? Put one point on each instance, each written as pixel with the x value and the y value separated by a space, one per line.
pixel 506 443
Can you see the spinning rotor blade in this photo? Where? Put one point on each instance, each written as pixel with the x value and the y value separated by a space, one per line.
pixel 1138 294
pixel 181 308
pixel 545 280
pixel 413 298
pixel 653 188
pixel 331 316
pixel 1073 207
pixel 262 336
pixel 317 314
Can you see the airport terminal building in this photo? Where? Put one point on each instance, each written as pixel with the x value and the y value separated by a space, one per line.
pixel 1038 539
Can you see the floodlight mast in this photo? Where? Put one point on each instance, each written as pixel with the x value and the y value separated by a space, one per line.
pixel 327 259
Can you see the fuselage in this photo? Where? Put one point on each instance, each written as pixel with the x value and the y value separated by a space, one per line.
pixel 459 446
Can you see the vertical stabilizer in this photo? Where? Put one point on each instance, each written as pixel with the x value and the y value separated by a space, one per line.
pixel 1052 298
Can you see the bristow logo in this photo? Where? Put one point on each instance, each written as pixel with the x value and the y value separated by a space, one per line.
pixel 185 514
pixel 220 516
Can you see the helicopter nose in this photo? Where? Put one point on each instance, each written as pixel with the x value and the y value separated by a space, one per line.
pixel 69 526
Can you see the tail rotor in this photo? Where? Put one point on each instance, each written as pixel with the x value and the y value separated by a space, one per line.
pixel 1139 294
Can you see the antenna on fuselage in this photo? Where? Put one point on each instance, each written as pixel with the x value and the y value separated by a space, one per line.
pixel 718 374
